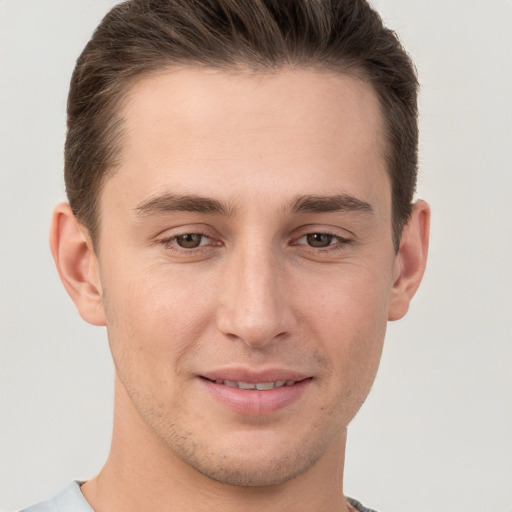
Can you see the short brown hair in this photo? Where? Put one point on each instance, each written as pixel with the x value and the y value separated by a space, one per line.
pixel 138 37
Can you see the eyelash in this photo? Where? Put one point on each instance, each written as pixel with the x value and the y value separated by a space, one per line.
pixel 168 243
pixel 340 243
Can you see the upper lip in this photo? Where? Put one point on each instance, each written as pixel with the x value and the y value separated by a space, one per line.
pixel 254 376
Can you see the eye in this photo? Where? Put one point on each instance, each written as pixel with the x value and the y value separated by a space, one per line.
pixel 321 240
pixel 318 239
pixel 323 243
pixel 191 240
pixel 187 241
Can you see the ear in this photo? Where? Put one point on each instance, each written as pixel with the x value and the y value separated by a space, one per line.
pixel 410 261
pixel 77 264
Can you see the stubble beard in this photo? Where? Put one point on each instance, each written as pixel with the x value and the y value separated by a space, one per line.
pixel 243 465
pixel 244 469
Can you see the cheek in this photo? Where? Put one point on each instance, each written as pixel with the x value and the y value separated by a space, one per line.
pixel 349 303
pixel 153 321
pixel 349 315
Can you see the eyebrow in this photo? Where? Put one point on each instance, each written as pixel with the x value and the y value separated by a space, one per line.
pixel 182 203
pixel 167 203
pixel 325 204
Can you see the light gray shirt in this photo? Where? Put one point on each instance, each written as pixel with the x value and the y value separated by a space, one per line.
pixel 71 499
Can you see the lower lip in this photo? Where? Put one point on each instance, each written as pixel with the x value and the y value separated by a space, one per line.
pixel 254 402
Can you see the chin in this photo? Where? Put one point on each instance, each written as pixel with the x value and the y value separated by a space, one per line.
pixel 261 460
pixel 245 472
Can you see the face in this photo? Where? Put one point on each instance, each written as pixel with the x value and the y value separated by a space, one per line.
pixel 246 264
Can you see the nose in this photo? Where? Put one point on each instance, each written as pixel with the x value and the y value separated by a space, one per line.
pixel 254 304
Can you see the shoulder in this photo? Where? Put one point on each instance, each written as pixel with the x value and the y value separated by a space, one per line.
pixel 70 499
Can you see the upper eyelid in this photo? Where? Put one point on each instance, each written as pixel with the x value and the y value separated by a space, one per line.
pixel 337 232
pixel 173 237
pixel 330 232
pixel 176 231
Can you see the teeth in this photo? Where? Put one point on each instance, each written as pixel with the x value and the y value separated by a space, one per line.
pixel 247 385
pixel 260 386
pixel 265 385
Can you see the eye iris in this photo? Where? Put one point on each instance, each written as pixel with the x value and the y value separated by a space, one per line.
pixel 319 239
pixel 189 241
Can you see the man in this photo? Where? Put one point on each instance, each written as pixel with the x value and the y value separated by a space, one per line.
pixel 240 177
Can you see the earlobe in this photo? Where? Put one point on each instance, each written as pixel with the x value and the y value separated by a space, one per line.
pixel 77 264
pixel 410 261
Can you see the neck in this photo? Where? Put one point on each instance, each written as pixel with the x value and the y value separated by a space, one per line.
pixel 141 473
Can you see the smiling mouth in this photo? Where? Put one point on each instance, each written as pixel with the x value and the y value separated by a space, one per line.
pixel 261 395
pixel 256 386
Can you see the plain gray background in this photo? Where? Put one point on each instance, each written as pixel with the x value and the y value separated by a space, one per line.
pixel 436 431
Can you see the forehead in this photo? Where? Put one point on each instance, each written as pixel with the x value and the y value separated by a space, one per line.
pixel 214 133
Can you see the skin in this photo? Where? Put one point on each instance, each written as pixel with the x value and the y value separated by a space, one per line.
pixel 271 285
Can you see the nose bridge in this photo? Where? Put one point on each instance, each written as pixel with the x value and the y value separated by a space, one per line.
pixel 254 305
